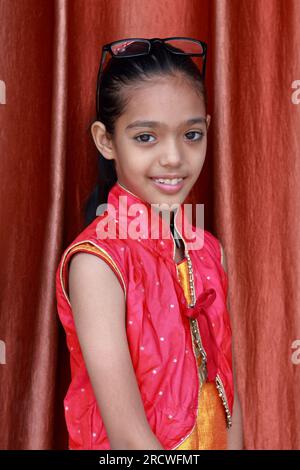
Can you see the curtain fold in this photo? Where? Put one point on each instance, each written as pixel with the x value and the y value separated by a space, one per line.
pixel 249 185
pixel 256 187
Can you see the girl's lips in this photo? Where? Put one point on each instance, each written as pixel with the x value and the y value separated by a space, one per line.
pixel 169 188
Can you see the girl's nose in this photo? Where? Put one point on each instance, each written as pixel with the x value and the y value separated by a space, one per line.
pixel 171 156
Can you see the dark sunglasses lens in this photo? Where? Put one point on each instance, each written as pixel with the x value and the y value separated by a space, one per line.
pixel 185 45
pixel 128 47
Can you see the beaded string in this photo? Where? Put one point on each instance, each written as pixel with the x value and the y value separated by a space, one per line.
pixel 197 339
pixel 202 369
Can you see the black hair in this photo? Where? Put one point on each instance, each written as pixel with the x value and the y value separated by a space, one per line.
pixel 118 75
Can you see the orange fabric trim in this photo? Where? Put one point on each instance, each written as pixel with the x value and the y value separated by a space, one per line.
pixel 210 432
pixel 184 279
pixel 87 248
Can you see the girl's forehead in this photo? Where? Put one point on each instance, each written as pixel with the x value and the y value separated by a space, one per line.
pixel 163 100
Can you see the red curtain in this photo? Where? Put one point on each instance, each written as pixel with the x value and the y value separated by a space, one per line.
pixel 249 185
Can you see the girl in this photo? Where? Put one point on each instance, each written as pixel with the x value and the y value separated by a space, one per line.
pixel 144 309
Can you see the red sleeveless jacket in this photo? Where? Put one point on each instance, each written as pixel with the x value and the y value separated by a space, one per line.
pixel 159 324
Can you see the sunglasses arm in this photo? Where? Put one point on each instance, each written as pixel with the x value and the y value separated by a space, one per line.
pixel 104 54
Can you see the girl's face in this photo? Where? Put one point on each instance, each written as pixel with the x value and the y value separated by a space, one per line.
pixel 167 146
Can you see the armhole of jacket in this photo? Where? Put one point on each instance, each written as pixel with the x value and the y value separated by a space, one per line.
pixel 91 248
pixel 214 246
pixel 221 254
pixel 225 276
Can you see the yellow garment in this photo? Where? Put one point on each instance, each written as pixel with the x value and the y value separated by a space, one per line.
pixel 210 432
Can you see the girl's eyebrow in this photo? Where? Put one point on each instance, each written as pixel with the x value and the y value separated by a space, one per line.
pixel 136 124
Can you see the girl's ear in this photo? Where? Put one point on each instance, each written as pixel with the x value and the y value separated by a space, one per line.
pixel 208 118
pixel 102 140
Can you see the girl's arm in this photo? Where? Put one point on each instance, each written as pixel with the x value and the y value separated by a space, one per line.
pixel 235 433
pixel 98 306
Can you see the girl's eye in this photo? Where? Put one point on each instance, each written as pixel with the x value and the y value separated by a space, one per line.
pixel 192 136
pixel 192 133
pixel 142 137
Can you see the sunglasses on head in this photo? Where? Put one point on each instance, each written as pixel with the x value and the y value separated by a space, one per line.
pixel 134 47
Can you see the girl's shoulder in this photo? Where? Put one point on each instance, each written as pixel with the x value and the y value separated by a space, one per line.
pixel 87 241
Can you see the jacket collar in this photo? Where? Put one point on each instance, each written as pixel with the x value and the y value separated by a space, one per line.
pixel 138 219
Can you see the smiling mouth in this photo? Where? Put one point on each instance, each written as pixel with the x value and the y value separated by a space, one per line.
pixel 169 185
pixel 168 181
